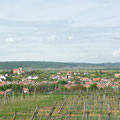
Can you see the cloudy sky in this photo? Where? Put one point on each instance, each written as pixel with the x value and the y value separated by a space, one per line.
pixel 60 30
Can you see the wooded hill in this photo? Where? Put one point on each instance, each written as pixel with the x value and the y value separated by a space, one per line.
pixel 56 65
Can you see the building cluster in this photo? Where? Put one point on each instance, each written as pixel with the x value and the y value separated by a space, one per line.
pixel 86 81
pixel 3 77
pixel 72 79
pixel 18 71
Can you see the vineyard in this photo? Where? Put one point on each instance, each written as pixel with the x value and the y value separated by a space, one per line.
pixel 82 105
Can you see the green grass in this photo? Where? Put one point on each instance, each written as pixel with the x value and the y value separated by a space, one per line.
pixel 25 108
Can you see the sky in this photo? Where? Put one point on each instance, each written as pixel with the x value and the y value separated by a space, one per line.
pixel 60 30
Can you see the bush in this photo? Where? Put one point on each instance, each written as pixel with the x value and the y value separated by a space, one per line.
pixel 62 82
pixel 93 86
pixel 77 88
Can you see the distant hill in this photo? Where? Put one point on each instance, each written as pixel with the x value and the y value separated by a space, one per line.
pixel 56 65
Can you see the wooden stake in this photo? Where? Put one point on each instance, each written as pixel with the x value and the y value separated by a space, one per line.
pixel 35 112
pixel 5 98
pixel 87 115
pixel 99 117
pixel 66 115
pixel 61 108
pixel 14 116
pixel 51 111
pixel 70 115
pixel 84 111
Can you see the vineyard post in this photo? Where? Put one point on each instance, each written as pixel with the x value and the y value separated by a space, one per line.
pixel 101 106
pixel 108 108
pixel 82 100
pixel 70 115
pixel 51 111
pixel 98 102
pixel 109 115
pixel 104 97
pixel 63 104
pixel 28 93
pixel 106 101
pixel 22 95
pixel 9 98
pixel 118 102
pixel 109 98
pixel 84 111
pixel 99 117
pixel 87 102
pixel 87 90
pixel 94 103
pixel 116 113
pixel 97 98
pixel 5 98
pixel 87 115
pixel 66 115
pixel 64 95
pixel 112 99
pixel 80 91
pixel 1 100
pixel 14 116
pixel 35 112
pixel 13 96
pixel 34 92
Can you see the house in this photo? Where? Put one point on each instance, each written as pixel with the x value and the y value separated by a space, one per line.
pixel 59 73
pixel 117 75
pixel 14 82
pixel 116 83
pixel 85 73
pixel 27 82
pixel 1 92
pixel 63 77
pixel 18 71
pixel 2 83
pixel 2 77
pixel 29 77
pixel 96 79
pixel 25 90
pixel 69 73
pixel 6 75
pixel 8 91
pixel 86 85
pixel 84 79
pixel 75 73
pixel 101 85
pixel 89 83
pixel 35 77
pixel 67 86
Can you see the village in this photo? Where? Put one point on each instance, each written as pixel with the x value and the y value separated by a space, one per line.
pixel 102 79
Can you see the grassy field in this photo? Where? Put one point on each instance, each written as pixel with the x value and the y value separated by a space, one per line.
pixel 25 108
pixel 69 107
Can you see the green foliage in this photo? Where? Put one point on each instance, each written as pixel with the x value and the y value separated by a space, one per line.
pixel 43 88
pixel 62 82
pixel 77 88
pixel 93 86
pixel 40 65
pixel 11 86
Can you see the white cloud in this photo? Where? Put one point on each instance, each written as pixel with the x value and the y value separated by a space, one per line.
pixel 70 38
pixel 52 37
pixel 116 52
pixel 11 40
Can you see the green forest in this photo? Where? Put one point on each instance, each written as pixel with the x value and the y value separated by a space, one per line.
pixel 56 65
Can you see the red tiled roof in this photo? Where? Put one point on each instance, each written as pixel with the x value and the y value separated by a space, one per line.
pixel 25 89
pixel 97 79
pixel 1 92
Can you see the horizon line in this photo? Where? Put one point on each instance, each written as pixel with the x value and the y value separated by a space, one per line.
pixel 59 61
